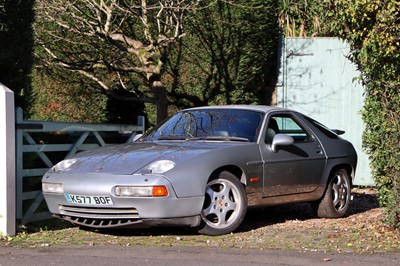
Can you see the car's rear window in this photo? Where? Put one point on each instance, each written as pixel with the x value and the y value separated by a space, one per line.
pixel 327 132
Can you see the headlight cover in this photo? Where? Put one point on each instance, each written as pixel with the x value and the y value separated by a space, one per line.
pixel 63 165
pixel 158 167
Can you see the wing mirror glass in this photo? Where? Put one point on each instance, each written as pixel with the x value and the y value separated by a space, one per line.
pixel 281 140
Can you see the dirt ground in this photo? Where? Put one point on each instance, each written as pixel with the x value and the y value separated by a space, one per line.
pixel 289 227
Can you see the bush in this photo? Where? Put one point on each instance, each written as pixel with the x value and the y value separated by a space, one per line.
pixel 66 99
pixel 373 30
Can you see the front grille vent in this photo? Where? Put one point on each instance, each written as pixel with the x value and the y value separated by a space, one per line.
pixel 99 217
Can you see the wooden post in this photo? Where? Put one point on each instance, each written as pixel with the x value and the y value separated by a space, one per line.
pixel 7 162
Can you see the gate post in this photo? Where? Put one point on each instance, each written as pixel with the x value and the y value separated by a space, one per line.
pixel 7 162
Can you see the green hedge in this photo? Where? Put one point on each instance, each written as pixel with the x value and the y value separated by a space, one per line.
pixel 372 27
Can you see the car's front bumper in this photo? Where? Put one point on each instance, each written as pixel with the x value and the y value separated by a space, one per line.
pixel 125 211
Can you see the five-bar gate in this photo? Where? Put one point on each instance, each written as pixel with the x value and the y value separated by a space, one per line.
pixel 41 144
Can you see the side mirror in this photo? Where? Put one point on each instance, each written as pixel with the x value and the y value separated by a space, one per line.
pixel 281 140
pixel 136 137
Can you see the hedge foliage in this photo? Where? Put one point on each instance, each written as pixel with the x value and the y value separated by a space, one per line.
pixel 66 98
pixel 372 28
pixel 16 48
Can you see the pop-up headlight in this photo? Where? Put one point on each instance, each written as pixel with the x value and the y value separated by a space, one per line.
pixel 158 167
pixel 61 166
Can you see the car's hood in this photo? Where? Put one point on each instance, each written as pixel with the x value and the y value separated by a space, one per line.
pixel 129 158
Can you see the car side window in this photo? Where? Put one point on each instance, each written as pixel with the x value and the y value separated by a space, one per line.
pixel 285 124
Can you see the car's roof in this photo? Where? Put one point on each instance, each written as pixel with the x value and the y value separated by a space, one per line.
pixel 259 108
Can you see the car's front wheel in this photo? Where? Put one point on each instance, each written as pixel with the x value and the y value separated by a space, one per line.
pixel 336 200
pixel 225 205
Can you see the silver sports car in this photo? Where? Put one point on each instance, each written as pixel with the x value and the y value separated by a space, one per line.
pixel 203 168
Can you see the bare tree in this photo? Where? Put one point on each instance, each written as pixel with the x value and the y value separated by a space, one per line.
pixel 115 43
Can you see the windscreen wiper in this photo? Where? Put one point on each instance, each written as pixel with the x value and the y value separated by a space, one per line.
pixel 172 137
pixel 217 138
pixel 226 138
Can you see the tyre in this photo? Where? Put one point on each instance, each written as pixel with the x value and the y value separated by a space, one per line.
pixel 337 196
pixel 224 206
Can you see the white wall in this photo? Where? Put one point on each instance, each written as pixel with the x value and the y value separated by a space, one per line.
pixel 7 162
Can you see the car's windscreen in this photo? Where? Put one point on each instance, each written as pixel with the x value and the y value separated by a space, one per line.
pixel 210 124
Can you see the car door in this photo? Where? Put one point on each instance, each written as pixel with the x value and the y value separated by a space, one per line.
pixel 295 168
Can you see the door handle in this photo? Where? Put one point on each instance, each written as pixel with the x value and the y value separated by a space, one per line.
pixel 319 149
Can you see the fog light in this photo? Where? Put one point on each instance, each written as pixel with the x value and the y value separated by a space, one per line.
pixel 127 191
pixel 53 188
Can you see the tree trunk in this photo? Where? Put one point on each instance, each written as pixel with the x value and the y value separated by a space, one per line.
pixel 160 96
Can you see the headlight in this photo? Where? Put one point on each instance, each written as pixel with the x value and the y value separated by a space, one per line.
pixel 53 188
pixel 159 167
pixel 127 191
pixel 61 166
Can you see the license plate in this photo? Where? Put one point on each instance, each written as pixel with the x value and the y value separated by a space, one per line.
pixel 89 200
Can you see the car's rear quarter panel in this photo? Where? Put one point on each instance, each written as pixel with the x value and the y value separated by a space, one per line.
pixel 340 153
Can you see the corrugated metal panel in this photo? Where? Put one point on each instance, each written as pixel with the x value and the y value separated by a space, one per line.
pixel 317 79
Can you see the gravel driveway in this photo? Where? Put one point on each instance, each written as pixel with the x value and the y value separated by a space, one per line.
pixel 285 228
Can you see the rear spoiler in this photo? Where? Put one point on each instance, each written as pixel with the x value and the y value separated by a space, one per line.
pixel 338 131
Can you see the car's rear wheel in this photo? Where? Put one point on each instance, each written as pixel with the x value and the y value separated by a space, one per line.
pixel 336 199
pixel 224 206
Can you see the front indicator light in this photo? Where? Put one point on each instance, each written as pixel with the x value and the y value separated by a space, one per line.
pixel 160 191
pixel 127 191
pixel 53 188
